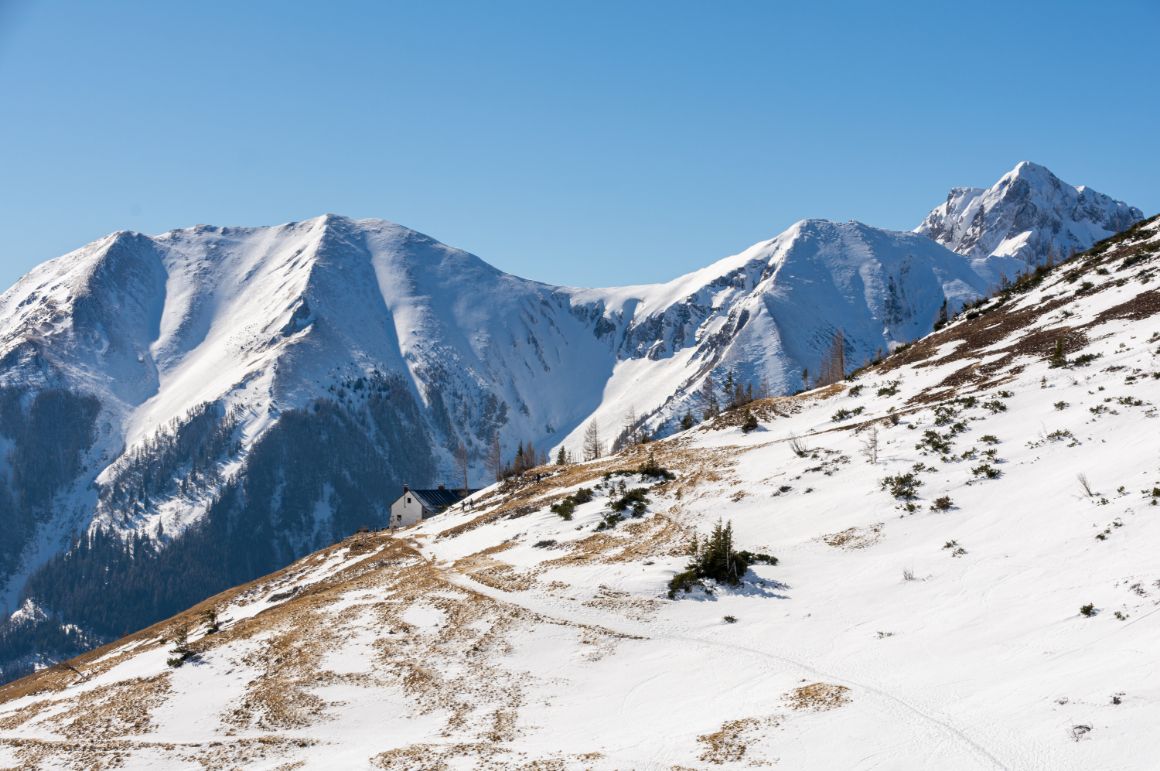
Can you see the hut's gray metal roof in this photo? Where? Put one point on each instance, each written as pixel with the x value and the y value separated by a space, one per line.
pixel 438 499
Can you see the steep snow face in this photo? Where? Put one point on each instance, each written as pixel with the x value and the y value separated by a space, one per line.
pixel 267 319
pixel 86 320
pixel 965 578
pixel 1026 217
pixel 756 314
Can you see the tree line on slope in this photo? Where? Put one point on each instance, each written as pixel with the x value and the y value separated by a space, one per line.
pixel 43 439
pixel 318 475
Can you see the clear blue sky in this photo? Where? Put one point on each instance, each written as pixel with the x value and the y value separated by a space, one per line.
pixel 573 142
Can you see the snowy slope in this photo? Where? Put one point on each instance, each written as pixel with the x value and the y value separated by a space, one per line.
pixel 757 314
pixel 1025 218
pixel 226 400
pixel 894 632
pixel 258 322
pixel 266 316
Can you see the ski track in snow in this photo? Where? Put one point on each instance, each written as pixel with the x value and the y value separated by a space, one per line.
pixel 895 704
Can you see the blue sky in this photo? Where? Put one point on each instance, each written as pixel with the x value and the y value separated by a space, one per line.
pixel 581 143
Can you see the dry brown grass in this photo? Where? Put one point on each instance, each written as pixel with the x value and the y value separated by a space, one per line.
pixel 100 660
pixel 487 570
pixel 855 537
pixel 632 541
pixel 818 697
pixel 482 701
pixel 732 742
pixel 625 603
pixel 440 757
pixel 112 711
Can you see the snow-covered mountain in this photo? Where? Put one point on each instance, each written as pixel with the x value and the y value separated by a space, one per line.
pixel 182 413
pixel 1026 218
pixel 756 314
pixel 951 564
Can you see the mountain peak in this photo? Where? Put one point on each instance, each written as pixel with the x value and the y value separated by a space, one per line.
pixel 1030 168
pixel 1027 216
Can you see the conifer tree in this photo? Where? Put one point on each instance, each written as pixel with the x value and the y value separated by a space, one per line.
pixel 943 316
pixel 709 397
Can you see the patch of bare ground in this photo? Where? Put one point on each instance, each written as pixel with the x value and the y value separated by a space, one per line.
pixel 116 710
pixel 632 541
pixel 598 642
pixel 769 409
pixel 100 660
pixel 231 754
pixel 25 714
pixel 539 488
pixel 98 724
pixel 854 537
pixel 487 570
pixel 480 699
pixel 217 755
pixel 441 757
pixel 1142 306
pixel 624 603
pixel 37 754
pixel 281 696
pixel 732 742
pixel 707 467
pixel 985 333
pixel 454 669
pixel 818 697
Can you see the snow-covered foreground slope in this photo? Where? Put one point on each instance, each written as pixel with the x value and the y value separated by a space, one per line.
pixel 925 610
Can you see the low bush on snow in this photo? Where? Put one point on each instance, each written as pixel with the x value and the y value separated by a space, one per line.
pixel 566 507
pixel 902 486
pixel 942 503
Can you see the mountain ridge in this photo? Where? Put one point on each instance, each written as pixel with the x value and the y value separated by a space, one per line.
pixel 217 355
pixel 950 560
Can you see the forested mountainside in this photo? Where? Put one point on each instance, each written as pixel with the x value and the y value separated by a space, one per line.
pixel 184 412
pixel 946 559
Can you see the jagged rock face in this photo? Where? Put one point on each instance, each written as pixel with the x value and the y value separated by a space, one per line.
pixel 224 400
pixel 1027 217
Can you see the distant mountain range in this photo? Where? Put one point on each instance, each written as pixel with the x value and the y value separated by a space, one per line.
pixel 944 561
pixel 184 412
